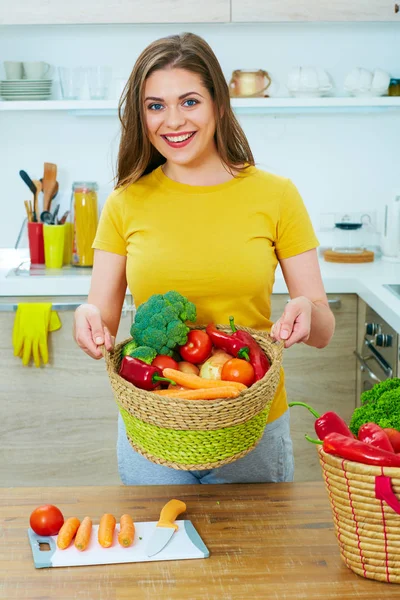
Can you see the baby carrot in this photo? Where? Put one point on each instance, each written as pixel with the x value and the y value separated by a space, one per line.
pixel 82 538
pixel 227 391
pixel 67 532
pixel 126 531
pixel 195 382
pixel 106 530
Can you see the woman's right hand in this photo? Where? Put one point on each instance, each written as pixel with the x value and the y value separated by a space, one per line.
pixel 90 333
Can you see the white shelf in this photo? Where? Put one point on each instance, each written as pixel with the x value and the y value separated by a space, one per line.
pixel 240 105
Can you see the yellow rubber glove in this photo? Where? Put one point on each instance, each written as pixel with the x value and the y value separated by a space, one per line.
pixel 32 323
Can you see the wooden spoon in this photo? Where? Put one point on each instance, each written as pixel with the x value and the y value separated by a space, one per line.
pixel 48 183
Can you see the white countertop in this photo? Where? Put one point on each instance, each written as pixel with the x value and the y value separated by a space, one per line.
pixel 366 280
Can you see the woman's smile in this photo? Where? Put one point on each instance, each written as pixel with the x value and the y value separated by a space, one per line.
pixel 178 140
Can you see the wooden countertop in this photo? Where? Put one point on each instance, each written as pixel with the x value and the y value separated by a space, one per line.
pixel 266 541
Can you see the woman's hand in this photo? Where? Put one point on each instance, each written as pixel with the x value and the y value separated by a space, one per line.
pixel 90 332
pixel 294 325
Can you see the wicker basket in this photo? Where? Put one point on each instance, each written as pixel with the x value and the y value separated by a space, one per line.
pixel 200 434
pixel 366 513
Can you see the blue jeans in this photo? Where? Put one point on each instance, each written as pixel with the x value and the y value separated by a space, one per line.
pixel 270 461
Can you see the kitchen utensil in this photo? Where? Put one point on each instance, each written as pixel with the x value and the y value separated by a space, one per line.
pixel 165 527
pixel 38 186
pixel 55 214
pixel 64 217
pixel 249 83
pixel 346 238
pixel 28 211
pixel 390 240
pixel 185 544
pixel 25 177
pixel 48 183
pixel 46 217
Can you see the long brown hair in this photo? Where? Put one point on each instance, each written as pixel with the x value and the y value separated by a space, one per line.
pixel 137 156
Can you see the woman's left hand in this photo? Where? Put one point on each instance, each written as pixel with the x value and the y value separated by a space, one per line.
pixel 294 325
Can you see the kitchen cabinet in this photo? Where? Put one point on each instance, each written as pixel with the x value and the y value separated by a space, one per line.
pixel 53 12
pixel 58 422
pixel 324 378
pixel 313 10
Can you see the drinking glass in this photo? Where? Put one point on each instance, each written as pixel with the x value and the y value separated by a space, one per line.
pixel 99 79
pixel 71 80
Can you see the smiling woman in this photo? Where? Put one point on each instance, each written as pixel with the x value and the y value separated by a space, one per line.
pixel 192 213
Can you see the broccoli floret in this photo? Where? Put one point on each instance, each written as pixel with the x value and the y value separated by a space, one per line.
pixel 144 353
pixel 128 348
pixel 160 322
pixel 382 407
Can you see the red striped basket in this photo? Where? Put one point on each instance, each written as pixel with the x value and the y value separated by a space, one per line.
pixel 366 513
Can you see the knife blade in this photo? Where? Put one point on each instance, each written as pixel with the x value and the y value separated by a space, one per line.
pixel 165 527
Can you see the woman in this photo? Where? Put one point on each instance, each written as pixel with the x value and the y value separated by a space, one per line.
pixel 192 213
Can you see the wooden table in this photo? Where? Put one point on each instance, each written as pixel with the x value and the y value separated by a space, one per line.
pixel 267 541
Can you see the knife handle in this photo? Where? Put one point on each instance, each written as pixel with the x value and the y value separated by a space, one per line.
pixel 169 512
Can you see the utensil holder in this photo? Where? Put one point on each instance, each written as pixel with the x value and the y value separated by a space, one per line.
pixel 36 243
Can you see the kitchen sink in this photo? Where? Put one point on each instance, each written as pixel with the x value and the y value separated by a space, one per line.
pixel 394 288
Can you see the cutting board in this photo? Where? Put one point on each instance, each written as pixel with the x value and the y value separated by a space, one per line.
pixel 185 543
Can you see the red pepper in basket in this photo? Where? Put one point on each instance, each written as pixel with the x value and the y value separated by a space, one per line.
pixel 142 375
pixel 228 343
pixel 258 359
pixel 329 422
pixel 352 449
pixel 370 433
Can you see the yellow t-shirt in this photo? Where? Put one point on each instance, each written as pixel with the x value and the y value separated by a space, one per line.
pixel 217 245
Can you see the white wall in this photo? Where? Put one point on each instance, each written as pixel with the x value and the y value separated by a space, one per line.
pixel 340 162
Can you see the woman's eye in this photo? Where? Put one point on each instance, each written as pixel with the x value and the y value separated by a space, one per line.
pixel 155 106
pixel 191 102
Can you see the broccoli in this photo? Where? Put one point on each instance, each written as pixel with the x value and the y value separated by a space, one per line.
pixel 160 322
pixel 380 405
pixel 128 348
pixel 144 353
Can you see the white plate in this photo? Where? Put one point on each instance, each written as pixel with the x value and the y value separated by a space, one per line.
pixel 33 93
pixel 30 91
pixel 25 80
pixel 26 97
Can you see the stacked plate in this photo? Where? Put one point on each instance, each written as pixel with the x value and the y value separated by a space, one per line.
pixel 26 89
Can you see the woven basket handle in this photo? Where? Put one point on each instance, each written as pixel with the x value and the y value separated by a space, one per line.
pixel 384 492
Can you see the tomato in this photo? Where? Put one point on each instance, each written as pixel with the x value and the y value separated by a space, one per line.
pixel 46 520
pixel 197 348
pixel 162 361
pixel 187 367
pixel 239 370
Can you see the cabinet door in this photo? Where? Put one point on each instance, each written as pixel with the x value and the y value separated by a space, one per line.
pixel 314 10
pixel 58 422
pixel 324 378
pixel 43 12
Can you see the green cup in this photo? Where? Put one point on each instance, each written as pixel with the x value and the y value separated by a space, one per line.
pixel 54 240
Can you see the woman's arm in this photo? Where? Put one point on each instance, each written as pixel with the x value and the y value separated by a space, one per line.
pixel 98 320
pixel 307 317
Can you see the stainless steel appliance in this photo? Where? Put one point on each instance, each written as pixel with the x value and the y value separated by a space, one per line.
pixel 377 350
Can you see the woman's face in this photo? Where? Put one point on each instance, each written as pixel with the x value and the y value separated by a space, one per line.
pixel 180 116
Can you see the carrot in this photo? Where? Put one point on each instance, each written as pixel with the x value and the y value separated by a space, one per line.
pixel 67 532
pixel 82 538
pixel 106 530
pixel 126 531
pixel 227 391
pixel 195 382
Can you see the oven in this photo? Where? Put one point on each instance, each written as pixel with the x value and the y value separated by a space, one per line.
pixel 377 350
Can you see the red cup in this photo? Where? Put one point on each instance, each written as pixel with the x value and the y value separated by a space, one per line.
pixel 36 243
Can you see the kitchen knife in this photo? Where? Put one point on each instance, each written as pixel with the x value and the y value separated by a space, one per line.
pixel 165 527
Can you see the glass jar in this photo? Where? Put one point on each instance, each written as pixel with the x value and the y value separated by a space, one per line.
pixel 394 87
pixel 84 211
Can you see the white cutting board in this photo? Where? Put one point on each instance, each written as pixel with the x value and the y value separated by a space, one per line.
pixel 185 543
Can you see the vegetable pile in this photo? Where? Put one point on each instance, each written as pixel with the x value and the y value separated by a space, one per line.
pixel 49 520
pixel 169 358
pixel 373 435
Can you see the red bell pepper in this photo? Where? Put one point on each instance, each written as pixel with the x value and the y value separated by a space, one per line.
pixel 140 374
pixel 394 437
pixel 370 433
pixel 258 359
pixel 352 449
pixel 228 343
pixel 329 422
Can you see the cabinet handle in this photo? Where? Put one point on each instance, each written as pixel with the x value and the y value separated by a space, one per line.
pixel 396 8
